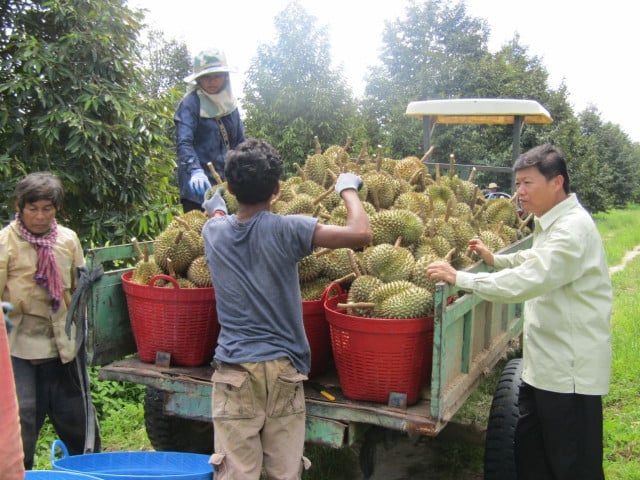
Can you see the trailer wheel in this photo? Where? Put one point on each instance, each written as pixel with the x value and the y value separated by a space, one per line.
pixel 174 434
pixel 499 460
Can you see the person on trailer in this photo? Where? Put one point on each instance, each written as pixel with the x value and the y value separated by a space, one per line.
pixel 564 281
pixel 263 355
pixel 208 124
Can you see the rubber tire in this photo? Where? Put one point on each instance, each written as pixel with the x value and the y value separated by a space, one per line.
pixel 174 434
pixel 499 458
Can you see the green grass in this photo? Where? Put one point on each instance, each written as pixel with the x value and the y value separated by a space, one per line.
pixel 122 420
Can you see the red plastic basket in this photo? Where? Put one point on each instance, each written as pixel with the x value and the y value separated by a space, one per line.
pixel 179 321
pixel 317 329
pixel 377 356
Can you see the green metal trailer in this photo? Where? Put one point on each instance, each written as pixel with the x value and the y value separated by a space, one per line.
pixel 470 337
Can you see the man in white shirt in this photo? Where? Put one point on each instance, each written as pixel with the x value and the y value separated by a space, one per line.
pixel 564 281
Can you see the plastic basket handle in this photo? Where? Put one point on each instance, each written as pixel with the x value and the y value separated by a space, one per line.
pixel 57 443
pixel 162 276
pixel 332 290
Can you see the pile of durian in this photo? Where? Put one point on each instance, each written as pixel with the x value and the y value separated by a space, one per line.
pixel 416 218
pixel 178 251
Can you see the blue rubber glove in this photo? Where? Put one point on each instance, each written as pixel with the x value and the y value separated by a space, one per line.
pixel 348 180
pixel 216 203
pixel 199 182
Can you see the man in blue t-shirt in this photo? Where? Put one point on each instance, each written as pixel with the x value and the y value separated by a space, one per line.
pixel 263 354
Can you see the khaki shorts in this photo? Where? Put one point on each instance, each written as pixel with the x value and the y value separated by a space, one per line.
pixel 258 420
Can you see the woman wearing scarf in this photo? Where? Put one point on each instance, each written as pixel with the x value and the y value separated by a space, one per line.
pixel 38 269
pixel 207 125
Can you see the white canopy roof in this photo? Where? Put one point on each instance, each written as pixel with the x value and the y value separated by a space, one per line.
pixel 479 111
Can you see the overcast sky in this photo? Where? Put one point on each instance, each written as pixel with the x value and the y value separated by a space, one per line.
pixel 590 45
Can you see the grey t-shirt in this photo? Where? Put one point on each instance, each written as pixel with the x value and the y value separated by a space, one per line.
pixel 254 268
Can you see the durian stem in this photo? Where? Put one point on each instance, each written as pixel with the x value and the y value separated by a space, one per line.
pixel 170 268
pixel 146 252
pixel 450 254
pixel 379 159
pixel 452 160
pixel 300 171
pixel 322 196
pixel 348 277
pixel 354 263
pixel 183 222
pixel 317 143
pixel 427 154
pixel 322 251
pixel 415 177
pixel 514 199
pixel 472 175
pixel 136 245
pixel 216 177
pixel 347 144
pixel 398 242
pixel 364 154
pixel 525 222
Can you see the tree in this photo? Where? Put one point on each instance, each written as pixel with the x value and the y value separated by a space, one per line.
pixel 167 63
pixel 74 103
pixel 292 93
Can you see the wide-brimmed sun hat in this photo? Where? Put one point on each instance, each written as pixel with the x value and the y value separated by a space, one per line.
pixel 208 61
pixel 493 185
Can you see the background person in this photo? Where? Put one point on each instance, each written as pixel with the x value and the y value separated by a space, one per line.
pixel 207 125
pixel 38 270
pixel 564 280
pixel 263 354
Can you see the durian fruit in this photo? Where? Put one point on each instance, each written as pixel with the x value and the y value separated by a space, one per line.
pixel 380 189
pixel 339 213
pixel 407 167
pixel 314 289
pixel 338 262
pixel 389 225
pixel 388 262
pixel 501 210
pixel 182 281
pixel 414 302
pixel 146 268
pixel 492 240
pixel 192 220
pixel 360 293
pixel 416 202
pixel 192 229
pixel 463 232
pixel 175 244
pixel 199 273
pixel 388 289
pixel 316 169
pixel 311 267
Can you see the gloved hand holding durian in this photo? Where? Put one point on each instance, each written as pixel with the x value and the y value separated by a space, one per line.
pixel 215 203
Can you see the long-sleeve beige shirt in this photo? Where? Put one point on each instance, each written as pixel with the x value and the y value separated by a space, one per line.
pixel 38 332
pixel 564 280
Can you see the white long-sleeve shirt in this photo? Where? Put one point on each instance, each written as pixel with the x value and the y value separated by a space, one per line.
pixel 564 280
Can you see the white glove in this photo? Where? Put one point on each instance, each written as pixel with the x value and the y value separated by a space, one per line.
pixel 348 180
pixel 216 203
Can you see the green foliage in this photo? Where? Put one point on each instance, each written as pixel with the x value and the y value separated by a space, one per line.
pixel 167 62
pixel 74 103
pixel 292 93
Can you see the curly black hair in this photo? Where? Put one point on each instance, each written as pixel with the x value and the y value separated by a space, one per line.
pixel 252 171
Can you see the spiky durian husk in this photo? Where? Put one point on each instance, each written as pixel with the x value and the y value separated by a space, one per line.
pixel 414 302
pixel 311 267
pixel 388 225
pixel 180 248
pixel 388 262
pixel 199 273
pixel 314 289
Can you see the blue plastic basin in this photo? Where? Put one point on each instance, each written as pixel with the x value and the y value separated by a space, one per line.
pixel 134 465
pixel 56 475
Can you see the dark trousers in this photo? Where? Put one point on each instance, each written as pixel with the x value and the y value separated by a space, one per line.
pixel 558 436
pixel 50 389
pixel 188 205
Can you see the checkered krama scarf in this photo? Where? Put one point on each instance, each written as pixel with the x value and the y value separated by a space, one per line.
pixel 47 273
